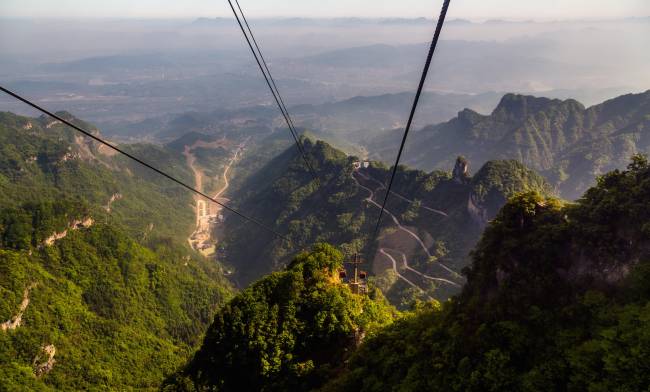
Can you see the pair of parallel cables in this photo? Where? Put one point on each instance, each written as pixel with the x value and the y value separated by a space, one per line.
pixel 270 81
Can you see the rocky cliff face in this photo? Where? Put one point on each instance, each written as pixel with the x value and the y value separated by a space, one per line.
pixel 477 211
pixel 74 225
pixel 460 174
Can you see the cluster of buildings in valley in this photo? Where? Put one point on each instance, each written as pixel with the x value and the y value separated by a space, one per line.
pixel 207 216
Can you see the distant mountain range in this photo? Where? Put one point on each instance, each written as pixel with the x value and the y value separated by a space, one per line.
pixel 354 21
pixel 314 22
pixel 381 112
pixel 566 142
pixel 343 122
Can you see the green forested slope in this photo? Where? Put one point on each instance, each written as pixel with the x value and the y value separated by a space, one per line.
pixel 556 295
pixel 284 195
pixel 43 160
pixel 557 299
pixel 114 292
pixel 291 330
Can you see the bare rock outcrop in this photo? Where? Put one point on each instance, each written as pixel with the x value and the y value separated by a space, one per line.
pixel 17 320
pixel 44 365
pixel 74 225
pixel 461 173
pixel 115 197
pixel 477 211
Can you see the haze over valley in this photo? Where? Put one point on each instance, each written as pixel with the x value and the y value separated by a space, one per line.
pixel 133 70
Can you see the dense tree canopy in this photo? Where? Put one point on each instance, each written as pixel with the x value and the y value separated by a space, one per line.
pixel 557 299
pixel 291 330
pixel 117 295
pixel 334 209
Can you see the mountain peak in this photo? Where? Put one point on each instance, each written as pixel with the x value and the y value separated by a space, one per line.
pixel 518 106
pixel 469 117
pixel 628 103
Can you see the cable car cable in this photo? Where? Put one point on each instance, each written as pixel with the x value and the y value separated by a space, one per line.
pixel 277 100
pixel 268 71
pixel 138 160
pixel 425 71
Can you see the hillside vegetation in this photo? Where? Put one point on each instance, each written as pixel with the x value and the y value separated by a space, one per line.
pixel 500 285
pixel 291 330
pixel 557 298
pixel 98 290
pixel 284 195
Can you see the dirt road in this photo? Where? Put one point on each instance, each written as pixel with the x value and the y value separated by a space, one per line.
pixel 207 213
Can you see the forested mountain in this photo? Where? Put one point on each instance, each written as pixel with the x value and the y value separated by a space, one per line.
pixel 97 287
pixel 557 299
pixel 440 220
pixel 292 330
pixel 250 234
pixel 566 142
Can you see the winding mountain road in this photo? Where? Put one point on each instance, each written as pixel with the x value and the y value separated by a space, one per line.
pixel 392 259
pixel 205 211
pixel 238 152
pixel 383 186
pixel 400 227
pixel 425 276
pixel 383 251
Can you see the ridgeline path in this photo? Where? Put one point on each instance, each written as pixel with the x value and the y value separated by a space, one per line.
pixel 404 229
pixel 383 186
pixel 425 276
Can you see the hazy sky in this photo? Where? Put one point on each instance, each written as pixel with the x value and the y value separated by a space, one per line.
pixel 477 9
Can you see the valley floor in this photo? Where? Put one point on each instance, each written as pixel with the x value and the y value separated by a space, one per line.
pixel 208 214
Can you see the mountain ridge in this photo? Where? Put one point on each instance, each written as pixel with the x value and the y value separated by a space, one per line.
pixel 441 213
pixel 568 143
pixel 557 297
